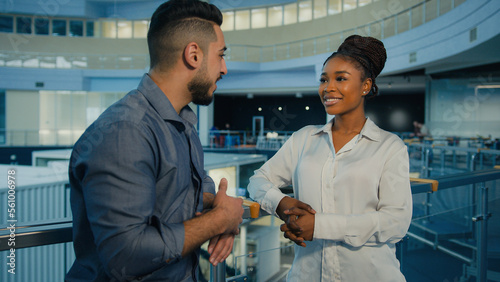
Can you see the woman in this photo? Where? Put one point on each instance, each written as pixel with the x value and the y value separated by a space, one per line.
pixel 352 197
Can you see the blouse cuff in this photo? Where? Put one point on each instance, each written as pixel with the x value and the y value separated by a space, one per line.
pixel 272 200
pixel 329 226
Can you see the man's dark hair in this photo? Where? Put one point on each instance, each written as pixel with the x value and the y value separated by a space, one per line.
pixel 176 23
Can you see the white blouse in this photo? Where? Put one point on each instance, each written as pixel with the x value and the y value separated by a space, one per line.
pixel 361 194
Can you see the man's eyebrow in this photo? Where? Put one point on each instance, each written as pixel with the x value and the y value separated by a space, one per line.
pixel 223 49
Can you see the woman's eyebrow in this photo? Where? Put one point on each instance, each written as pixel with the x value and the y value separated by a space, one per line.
pixel 337 72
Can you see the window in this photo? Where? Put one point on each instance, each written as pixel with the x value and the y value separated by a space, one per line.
pixel 275 16
pixel 242 20
pixel 258 18
pixel 23 25
pixel 59 27
pixel 349 4
pixel 228 22
pixel 362 3
pixel 75 28
pixel 334 7
pixel 6 24
pixel 290 16
pixel 108 29
pixel 140 29
pixel 319 9
pixel 124 29
pixel 42 26
pixel 90 29
pixel 305 11
pixel 78 110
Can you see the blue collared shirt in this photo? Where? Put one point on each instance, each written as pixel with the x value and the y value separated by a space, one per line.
pixel 136 175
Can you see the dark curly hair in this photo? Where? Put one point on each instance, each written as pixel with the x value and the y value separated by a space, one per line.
pixel 367 53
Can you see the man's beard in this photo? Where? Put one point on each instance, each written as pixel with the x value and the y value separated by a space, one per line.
pixel 199 87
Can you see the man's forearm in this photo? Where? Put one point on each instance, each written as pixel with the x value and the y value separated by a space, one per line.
pixel 200 229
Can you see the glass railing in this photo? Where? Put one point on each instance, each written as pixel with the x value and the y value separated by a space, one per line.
pixel 382 27
pixel 430 160
pixel 455 230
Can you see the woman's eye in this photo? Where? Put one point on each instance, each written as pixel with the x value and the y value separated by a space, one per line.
pixel 322 80
pixel 340 78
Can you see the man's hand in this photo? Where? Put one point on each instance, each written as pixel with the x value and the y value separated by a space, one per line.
pixel 230 208
pixel 224 218
pixel 291 210
pixel 220 248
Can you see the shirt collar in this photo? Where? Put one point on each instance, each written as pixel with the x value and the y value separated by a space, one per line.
pixel 162 105
pixel 370 130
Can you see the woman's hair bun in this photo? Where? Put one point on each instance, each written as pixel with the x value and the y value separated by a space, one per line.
pixel 365 48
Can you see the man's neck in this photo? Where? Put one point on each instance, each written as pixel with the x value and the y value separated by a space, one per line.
pixel 174 85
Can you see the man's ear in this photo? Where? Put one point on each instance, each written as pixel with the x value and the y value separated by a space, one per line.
pixel 193 56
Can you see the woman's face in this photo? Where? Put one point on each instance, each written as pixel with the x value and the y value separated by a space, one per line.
pixel 341 89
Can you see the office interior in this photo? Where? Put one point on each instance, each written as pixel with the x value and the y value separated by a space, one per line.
pixel 62 63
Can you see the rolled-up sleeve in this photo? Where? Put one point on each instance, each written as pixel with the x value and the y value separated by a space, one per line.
pixel 208 185
pixel 117 173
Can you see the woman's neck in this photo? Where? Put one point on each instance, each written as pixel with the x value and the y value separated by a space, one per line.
pixel 348 125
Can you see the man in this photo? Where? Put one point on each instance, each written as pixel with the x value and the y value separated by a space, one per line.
pixel 137 180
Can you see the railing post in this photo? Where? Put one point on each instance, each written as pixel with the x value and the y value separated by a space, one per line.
pixel 481 221
pixel 472 162
pixel 243 247
pixel 443 160
pixel 218 273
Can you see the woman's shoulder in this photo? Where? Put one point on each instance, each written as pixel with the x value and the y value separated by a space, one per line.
pixel 390 138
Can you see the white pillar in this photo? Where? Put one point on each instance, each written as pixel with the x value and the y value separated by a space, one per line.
pixel 205 122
